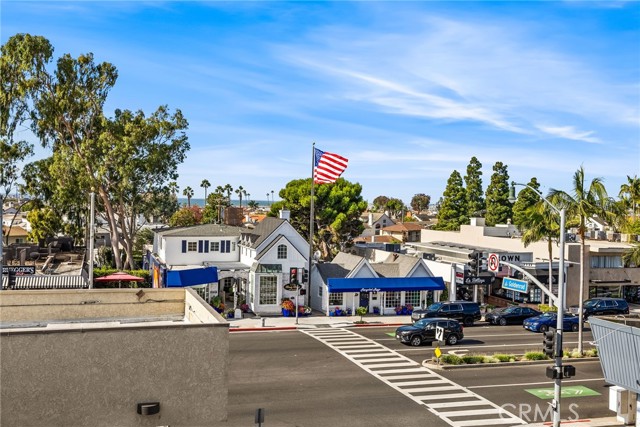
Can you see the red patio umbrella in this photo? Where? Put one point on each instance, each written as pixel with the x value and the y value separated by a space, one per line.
pixel 119 277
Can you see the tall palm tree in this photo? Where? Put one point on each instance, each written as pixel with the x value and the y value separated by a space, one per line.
pixel 188 193
pixel 228 189
pixel 267 198
pixel 539 224
pixel 240 193
pixel 271 196
pixel 632 190
pixel 632 255
pixel 584 202
pixel 205 184
pixel 173 188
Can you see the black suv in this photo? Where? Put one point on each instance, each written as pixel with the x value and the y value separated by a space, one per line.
pixel 424 330
pixel 603 306
pixel 466 312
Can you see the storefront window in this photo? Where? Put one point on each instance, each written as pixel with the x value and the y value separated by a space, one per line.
pixel 412 297
pixel 392 300
pixel 269 268
pixel 606 262
pixel 335 298
pixel 268 290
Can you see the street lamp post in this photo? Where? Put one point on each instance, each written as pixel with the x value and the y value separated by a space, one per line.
pixel 560 303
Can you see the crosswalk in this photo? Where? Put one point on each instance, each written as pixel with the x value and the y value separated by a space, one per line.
pixel 456 405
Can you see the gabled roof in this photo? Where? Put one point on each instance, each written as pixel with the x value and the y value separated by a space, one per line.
pixel 386 270
pixel 329 270
pixel 405 263
pixel 16 231
pixel 276 241
pixel 403 226
pixel 253 238
pixel 203 230
pixel 348 261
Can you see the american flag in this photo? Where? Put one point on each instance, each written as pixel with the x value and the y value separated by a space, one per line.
pixel 327 167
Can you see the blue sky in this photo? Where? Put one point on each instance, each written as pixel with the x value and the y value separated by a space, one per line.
pixel 408 91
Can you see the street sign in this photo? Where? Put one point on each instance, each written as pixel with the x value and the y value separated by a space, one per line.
pixel 493 262
pixel 515 285
pixel 571 391
pixel 439 333
pixel 438 352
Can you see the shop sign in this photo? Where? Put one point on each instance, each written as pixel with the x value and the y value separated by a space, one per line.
pixel 370 290
pixel 19 270
pixel 292 287
pixel 479 280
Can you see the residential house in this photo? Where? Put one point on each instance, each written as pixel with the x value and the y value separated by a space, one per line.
pixel 404 231
pixel 374 222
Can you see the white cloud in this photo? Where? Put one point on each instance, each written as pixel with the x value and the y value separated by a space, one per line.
pixel 570 132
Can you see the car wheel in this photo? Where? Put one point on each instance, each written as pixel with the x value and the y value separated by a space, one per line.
pixel 452 340
pixel 544 328
pixel 416 341
pixel 503 322
pixel 468 321
pixel 574 327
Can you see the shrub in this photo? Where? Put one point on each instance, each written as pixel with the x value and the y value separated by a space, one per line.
pixel 592 352
pixel 451 359
pixel 472 360
pixel 505 357
pixel 490 359
pixel 535 355
pixel 545 308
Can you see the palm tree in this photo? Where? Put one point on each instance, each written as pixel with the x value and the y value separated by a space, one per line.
pixel 188 193
pixel 267 198
pixel 584 202
pixel 541 224
pixel 632 190
pixel 173 188
pixel 632 255
pixel 271 196
pixel 228 189
pixel 205 184
pixel 239 192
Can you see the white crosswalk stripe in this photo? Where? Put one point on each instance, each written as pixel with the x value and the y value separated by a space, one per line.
pixel 456 405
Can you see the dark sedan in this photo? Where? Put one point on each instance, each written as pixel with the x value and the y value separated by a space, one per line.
pixel 424 330
pixel 511 315
pixel 548 320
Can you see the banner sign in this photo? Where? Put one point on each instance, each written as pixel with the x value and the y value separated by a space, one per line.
pixel 19 270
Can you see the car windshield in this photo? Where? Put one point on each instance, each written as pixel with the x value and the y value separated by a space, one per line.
pixel 434 307
pixel 422 323
pixel 590 303
pixel 548 314
pixel 509 310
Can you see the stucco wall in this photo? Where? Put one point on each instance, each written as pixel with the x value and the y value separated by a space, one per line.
pixel 79 374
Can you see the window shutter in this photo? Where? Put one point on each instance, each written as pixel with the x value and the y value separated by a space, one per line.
pixel 206 246
pixel 184 246
pixel 200 246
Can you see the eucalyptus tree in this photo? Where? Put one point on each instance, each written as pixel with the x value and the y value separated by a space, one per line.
pixel 380 203
pixel 205 184
pixel 473 181
pixel 188 193
pixel 453 209
pixel 498 205
pixel 396 207
pixel 420 202
pixel 584 201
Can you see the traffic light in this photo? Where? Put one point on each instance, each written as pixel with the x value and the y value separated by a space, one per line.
pixel 474 262
pixel 293 275
pixel 549 342
pixel 305 275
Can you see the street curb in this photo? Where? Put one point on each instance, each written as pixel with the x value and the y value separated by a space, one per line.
pixel 364 325
pixel 266 328
pixel 427 363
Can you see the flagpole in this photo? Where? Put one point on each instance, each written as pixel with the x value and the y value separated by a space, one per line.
pixel 311 221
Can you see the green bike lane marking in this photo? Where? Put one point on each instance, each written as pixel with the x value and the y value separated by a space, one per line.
pixel 571 391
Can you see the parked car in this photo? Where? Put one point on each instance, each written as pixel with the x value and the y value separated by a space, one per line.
pixel 424 330
pixel 511 315
pixel 466 312
pixel 602 306
pixel 548 320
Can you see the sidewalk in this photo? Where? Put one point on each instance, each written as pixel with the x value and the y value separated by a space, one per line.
pixel 258 323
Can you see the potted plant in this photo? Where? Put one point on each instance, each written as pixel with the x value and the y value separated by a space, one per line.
pixel 287 307
pixel 398 310
pixel 229 313
pixel 376 310
pixel 338 311
pixel 409 308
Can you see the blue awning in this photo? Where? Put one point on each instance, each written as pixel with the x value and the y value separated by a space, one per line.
pixel 193 277
pixel 386 284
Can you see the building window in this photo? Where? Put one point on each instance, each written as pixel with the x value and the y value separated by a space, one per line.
pixel 282 252
pixel 268 290
pixel 320 290
pixel 412 297
pixel 335 298
pixel 233 246
pixel 192 246
pixel 215 246
pixel 269 268
pixel 606 262
pixel 392 300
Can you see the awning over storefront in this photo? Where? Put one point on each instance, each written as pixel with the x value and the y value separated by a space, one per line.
pixel 192 277
pixel 385 284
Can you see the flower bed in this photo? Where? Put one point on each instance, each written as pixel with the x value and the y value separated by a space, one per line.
pixel 475 359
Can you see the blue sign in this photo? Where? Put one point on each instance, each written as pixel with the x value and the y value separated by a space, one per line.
pixel 515 285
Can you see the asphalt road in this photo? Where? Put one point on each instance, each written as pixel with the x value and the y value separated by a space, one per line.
pixel 300 381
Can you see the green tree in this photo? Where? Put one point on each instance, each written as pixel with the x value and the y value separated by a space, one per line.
pixel 420 202
pixel 396 207
pixel 631 257
pixel 205 184
pixel 240 192
pixel 253 204
pixel 380 203
pixel 631 192
pixel 453 210
pixel 188 193
pixel 216 201
pixel 473 181
pixel 498 205
pixel 186 216
pixel 44 223
pixel 173 188
pixel 526 199
pixel 584 201
pixel 338 207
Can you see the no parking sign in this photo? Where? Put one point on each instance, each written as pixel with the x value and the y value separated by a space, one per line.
pixel 493 262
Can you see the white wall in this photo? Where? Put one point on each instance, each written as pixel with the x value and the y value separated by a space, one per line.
pixel 171 251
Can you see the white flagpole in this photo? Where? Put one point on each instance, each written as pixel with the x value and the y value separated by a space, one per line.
pixel 311 220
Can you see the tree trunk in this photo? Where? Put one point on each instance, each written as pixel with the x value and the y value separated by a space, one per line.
pixel 113 225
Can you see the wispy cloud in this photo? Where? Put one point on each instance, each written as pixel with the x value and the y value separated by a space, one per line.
pixel 570 132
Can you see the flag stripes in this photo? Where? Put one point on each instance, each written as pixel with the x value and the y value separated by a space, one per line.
pixel 327 166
